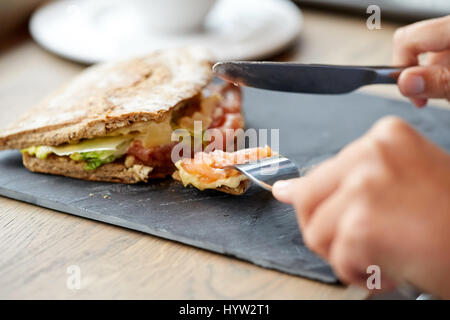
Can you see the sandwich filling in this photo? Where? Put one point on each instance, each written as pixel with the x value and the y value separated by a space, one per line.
pixel 213 170
pixel 149 143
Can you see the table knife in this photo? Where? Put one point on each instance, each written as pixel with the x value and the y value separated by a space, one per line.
pixel 304 78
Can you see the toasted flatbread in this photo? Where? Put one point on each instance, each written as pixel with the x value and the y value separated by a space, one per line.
pixel 243 186
pixel 64 166
pixel 111 96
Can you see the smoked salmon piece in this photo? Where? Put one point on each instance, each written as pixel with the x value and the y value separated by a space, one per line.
pixel 213 170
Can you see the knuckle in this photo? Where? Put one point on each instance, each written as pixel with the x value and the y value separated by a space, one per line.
pixel 357 227
pixel 437 23
pixel 390 124
pixel 368 182
pixel 312 239
pixel 356 233
pixel 369 178
pixel 443 79
pixel 362 181
pixel 345 265
pixel 378 168
pixel 376 145
pixel 392 130
pixel 301 211
pixel 354 243
pixel 342 267
pixel 400 34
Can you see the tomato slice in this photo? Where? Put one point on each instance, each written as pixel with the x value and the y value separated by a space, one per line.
pixel 232 98
pixel 228 114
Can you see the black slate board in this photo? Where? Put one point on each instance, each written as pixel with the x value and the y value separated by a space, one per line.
pixel 253 227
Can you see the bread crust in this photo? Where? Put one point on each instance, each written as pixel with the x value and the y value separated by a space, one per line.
pixel 111 96
pixel 64 166
pixel 241 188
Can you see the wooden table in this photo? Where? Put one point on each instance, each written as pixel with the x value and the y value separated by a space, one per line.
pixel 38 245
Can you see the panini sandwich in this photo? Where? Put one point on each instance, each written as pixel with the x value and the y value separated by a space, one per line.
pixel 114 121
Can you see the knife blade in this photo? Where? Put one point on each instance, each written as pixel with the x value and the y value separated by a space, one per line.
pixel 304 78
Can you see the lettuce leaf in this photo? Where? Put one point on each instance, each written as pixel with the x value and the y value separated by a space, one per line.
pixel 109 149
pixel 95 159
pixel 40 152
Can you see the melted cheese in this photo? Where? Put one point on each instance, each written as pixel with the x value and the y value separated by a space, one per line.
pixel 98 144
pixel 188 178
pixel 156 134
pixel 205 114
pixel 151 133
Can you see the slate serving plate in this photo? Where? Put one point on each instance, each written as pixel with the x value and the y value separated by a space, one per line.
pixel 252 227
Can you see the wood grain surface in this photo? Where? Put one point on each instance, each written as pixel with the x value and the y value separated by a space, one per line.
pixel 38 245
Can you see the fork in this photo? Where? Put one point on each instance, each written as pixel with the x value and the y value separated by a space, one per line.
pixel 267 171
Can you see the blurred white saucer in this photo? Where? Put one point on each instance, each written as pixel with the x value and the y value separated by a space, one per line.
pixel 90 31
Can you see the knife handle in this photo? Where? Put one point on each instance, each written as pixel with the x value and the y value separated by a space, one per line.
pixel 386 74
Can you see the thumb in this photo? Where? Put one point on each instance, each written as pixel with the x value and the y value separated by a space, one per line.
pixel 424 82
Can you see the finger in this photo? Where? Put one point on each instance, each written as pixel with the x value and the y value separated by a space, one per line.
pixel 424 82
pixel 283 190
pixel 419 102
pixel 322 226
pixel 292 190
pixel 308 192
pixel 321 229
pixel 351 254
pixel 351 271
pixel 441 58
pixel 425 36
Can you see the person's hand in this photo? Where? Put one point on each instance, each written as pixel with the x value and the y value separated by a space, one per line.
pixel 432 79
pixel 383 200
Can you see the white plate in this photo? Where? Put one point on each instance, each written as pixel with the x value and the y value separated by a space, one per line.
pixel 91 31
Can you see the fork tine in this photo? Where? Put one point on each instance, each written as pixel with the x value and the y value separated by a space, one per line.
pixel 266 172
